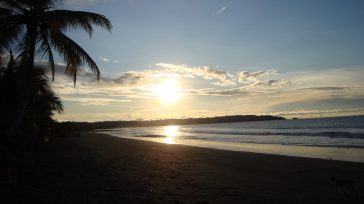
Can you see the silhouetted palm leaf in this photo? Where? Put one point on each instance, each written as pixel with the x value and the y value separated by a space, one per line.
pixel 41 28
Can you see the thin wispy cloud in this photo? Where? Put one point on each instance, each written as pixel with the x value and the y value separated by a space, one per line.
pixel 130 78
pixel 221 10
pixel 95 101
pixel 245 76
pixel 223 92
pixel 107 60
pixel 209 73
pixel 104 59
pixel 330 88
pixel 307 113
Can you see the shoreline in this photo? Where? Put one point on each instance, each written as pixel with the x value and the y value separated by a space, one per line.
pixel 97 168
pixel 319 152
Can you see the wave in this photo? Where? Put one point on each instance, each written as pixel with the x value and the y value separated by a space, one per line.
pixel 308 132
pixel 279 142
pixel 331 134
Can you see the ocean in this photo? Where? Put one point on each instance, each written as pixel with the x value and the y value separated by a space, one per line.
pixel 337 138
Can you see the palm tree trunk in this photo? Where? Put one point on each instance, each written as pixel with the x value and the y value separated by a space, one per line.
pixel 27 79
pixel 32 41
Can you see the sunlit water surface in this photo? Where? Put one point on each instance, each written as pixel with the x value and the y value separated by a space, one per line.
pixel 340 138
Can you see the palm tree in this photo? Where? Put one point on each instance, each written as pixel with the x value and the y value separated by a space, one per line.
pixel 43 102
pixel 35 27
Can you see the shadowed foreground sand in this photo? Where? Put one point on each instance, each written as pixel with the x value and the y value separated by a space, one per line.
pixel 95 168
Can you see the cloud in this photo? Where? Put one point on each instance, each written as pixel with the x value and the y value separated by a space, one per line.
pixel 348 76
pixel 319 113
pixel 331 88
pixel 224 92
pixel 231 92
pixel 94 101
pixel 245 76
pixel 60 69
pixel 271 84
pixel 286 88
pixel 104 59
pixel 345 83
pixel 137 84
pixel 208 73
pixel 222 9
pixel 224 78
pixel 107 60
pixel 130 78
pixel 257 91
pixel 133 84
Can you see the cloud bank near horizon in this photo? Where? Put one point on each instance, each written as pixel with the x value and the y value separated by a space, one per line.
pixel 246 91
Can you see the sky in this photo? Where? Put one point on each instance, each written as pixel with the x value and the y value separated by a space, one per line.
pixel 201 58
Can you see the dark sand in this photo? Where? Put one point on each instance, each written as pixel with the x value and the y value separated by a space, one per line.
pixel 95 168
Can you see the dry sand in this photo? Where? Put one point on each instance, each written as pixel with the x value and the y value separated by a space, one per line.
pixel 96 168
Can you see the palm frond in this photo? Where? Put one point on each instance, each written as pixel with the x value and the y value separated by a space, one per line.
pixel 47 29
pixel 54 101
pixel 10 37
pixel 45 49
pixel 65 19
pixel 23 46
pixel 4 12
pixel 12 20
pixel 12 30
pixel 50 3
pixel 72 59
pixel 73 54
pixel 44 98
pixel 17 6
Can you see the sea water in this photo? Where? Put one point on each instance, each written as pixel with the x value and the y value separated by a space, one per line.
pixel 337 138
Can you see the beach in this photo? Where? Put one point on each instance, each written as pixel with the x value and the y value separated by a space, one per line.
pixel 97 168
pixel 201 102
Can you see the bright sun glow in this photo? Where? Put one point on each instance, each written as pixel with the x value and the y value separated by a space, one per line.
pixel 171 132
pixel 168 91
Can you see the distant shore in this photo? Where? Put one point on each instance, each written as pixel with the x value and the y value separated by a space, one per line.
pixel 96 168
pixel 86 126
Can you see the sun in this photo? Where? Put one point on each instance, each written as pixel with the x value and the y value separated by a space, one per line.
pixel 168 91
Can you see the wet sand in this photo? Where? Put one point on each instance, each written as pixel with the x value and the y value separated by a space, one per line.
pixel 96 168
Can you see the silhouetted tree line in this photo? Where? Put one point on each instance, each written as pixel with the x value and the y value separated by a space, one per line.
pixel 80 126
pixel 42 102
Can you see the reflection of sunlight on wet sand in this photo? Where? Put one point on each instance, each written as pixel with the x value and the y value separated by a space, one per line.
pixel 171 132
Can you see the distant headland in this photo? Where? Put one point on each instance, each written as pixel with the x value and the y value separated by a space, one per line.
pixel 148 123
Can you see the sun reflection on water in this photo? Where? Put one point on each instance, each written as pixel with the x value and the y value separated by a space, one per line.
pixel 171 132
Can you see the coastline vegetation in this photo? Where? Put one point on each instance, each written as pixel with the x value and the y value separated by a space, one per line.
pixel 82 126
